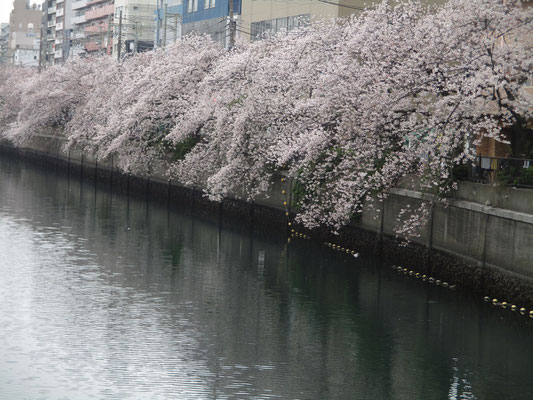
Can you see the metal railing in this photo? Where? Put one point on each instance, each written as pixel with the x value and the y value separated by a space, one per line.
pixel 507 171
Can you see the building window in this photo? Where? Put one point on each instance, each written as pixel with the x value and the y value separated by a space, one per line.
pixel 279 25
pixel 209 4
pixel 192 6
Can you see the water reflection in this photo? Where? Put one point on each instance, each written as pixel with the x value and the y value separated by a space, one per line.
pixel 102 296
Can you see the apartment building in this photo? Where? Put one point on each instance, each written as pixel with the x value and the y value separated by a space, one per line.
pixel 63 30
pixel 24 34
pixel 92 26
pixel 57 23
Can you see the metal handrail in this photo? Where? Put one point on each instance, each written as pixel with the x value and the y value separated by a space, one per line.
pixel 510 171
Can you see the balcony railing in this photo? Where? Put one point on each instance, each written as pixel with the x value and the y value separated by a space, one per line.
pixel 59 26
pixel 79 4
pixel 96 29
pixel 51 23
pixel 100 12
pixel 92 46
pixel 60 12
pixel 79 20
pixel 506 171
pixel 77 35
pixel 51 10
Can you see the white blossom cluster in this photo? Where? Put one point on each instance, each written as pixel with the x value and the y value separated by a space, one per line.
pixel 348 108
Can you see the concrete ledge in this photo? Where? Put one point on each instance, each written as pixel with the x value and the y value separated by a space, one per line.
pixel 469 205
pixel 458 246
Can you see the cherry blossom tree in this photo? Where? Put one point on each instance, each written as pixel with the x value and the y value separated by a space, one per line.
pixel 144 97
pixel 353 108
pixel 12 81
pixel 52 97
pixel 85 127
pixel 349 108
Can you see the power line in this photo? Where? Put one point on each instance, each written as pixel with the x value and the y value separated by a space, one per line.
pixel 342 5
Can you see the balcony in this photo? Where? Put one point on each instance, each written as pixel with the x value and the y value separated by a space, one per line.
pixel 79 4
pixel 51 23
pixel 58 54
pixel 59 26
pixel 60 12
pixel 92 46
pixel 90 2
pixel 77 35
pixel 79 20
pixel 96 29
pixel 51 10
pixel 50 37
pixel 100 12
pixel 58 40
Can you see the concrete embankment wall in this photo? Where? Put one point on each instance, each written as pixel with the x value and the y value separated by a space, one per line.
pixel 481 239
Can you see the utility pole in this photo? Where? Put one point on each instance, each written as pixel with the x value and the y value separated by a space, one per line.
pixel 41 51
pixel 157 43
pixel 136 37
pixel 119 36
pixel 231 26
pixel 164 42
pixel 65 45
pixel 109 34
pixel 176 27
pixel 102 36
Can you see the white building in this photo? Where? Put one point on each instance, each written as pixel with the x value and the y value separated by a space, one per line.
pixel 63 30
pixel 26 57
pixel 24 34
pixel 57 22
pixel 138 25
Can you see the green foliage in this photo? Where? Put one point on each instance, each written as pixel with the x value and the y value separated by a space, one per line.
pixel 516 176
pixel 157 139
pixel 526 176
pixel 236 101
pixel 298 193
pixel 181 149
pixel 460 172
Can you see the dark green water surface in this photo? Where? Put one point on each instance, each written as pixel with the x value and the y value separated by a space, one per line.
pixel 108 297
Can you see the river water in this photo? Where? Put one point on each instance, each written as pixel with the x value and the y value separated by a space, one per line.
pixel 108 297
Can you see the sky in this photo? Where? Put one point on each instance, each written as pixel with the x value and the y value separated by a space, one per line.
pixel 7 5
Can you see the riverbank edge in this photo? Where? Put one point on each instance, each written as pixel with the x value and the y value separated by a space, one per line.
pixel 468 274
